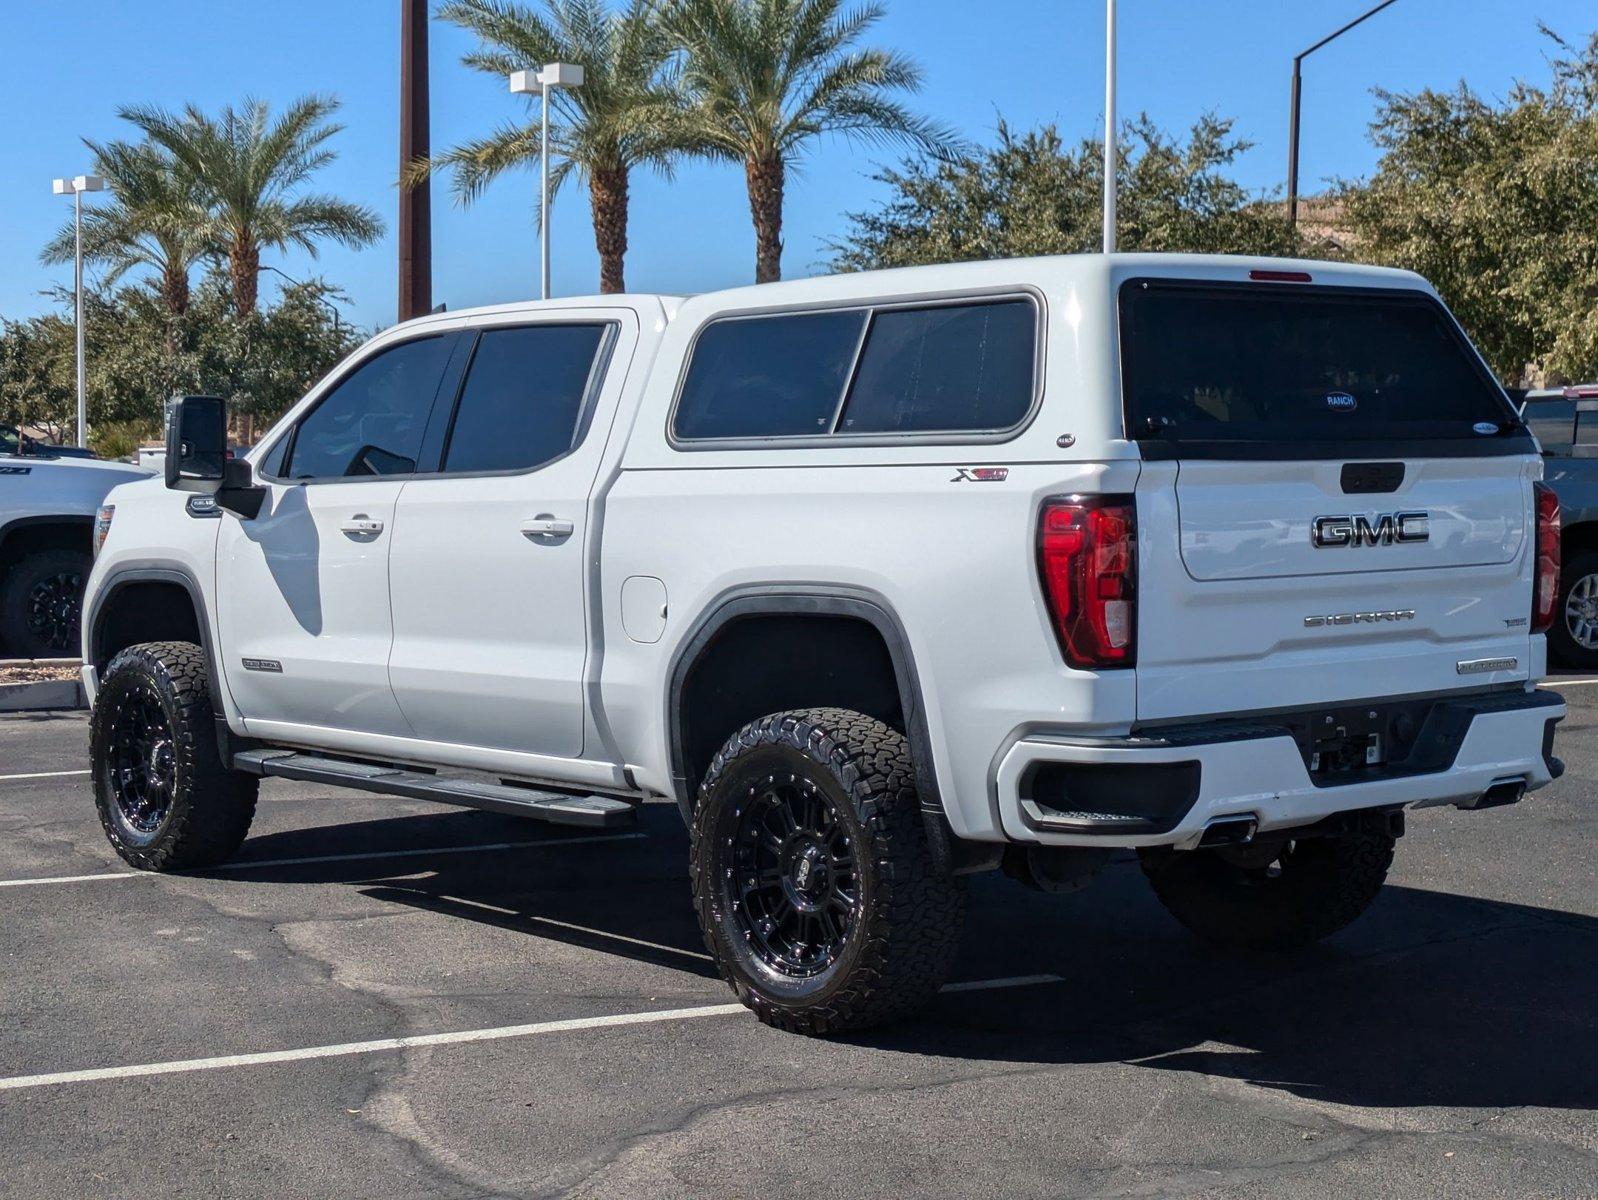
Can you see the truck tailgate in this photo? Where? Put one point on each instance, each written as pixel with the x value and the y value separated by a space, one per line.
pixel 1241 610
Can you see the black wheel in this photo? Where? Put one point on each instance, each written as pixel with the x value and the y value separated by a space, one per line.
pixel 165 799
pixel 813 879
pixel 1272 896
pixel 41 604
pixel 1573 637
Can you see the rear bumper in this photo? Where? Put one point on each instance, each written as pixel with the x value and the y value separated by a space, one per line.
pixel 1164 787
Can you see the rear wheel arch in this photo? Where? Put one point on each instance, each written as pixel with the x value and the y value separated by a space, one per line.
pixel 712 693
pixel 32 535
pixel 1578 539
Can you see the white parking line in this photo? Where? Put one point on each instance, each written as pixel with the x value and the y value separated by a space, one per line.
pixel 1559 683
pixel 73 878
pixel 423 852
pixel 460 1037
pixel 45 774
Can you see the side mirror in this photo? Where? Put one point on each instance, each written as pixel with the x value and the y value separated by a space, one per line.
pixel 196 443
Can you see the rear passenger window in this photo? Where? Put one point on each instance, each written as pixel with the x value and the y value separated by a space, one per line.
pixel 755 377
pixel 523 397
pixel 373 420
pixel 947 368
pixel 954 368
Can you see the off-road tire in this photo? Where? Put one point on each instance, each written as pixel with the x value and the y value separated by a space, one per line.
pixel 906 930
pixel 1562 646
pixel 1323 884
pixel 211 806
pixel 17 583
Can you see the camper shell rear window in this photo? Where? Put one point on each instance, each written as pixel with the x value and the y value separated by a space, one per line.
pixel 1223 370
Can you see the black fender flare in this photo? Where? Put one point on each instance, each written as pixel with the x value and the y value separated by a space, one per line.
pixel 162 571
pixel 822 600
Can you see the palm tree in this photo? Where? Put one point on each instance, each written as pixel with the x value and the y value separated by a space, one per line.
pixel 616 121
pixel 156 219
pixel 248 167
pixel 765 78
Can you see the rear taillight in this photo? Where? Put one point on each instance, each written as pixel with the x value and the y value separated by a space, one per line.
pixel 1087 557
pixel 1545 579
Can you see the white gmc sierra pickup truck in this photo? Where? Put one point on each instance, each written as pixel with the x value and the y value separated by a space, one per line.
pixel 883 578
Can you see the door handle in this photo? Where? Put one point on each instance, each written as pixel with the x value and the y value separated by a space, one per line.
pixel 540 527
pixel 361 525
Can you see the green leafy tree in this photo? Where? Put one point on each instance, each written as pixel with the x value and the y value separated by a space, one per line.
pixel 137 357
pixel 1496 202
pixel 1032 194
pixel 764 79
pixel 156 220
pixel 249 168
pixel 618 120
pixel 37 380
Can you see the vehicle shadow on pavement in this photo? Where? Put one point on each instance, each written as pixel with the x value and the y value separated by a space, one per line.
pixel 1430 999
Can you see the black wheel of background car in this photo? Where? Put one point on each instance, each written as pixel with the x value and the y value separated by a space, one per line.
pixel 1573 637
pixel 41 602
pixel 1273 895
pixel 816 887
pixel 166 800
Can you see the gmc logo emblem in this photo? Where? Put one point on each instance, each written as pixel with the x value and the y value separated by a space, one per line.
pixel 1381 530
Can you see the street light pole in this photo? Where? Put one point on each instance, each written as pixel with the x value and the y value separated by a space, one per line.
pixel 75 187
pixel 322 300
pixel 1292 119
pixel 1109 127
pixel 545 82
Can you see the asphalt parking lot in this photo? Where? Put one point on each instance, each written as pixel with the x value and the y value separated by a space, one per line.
pixel 1447 1044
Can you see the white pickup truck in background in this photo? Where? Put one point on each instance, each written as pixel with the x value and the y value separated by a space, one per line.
pixel 883 579
pixel 48 500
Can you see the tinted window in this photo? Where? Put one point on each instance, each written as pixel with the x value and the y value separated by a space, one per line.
pixel 1240 364
pixel 373 421
pixel 950 368
pixel 524 393
pixel 768 376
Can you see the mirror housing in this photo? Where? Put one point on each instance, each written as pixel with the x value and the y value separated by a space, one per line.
pixel 239 493
pixel 196 443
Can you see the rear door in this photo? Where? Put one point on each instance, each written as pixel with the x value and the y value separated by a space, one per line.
pixel 489 560
pixel 1337 502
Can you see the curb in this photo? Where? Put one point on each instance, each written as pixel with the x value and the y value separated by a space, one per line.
pixel 46 695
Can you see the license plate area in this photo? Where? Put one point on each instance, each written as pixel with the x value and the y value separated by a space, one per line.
pixel 1356 743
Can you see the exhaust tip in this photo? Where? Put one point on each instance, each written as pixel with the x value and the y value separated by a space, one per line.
pixel 1229 831
pixel 1500 793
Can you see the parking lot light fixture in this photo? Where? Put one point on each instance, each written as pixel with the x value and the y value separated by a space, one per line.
pixel 1292 116
pixel 75 187
pixel 543 82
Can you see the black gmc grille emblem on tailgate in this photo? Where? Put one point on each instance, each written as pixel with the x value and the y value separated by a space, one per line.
pixel 1383 529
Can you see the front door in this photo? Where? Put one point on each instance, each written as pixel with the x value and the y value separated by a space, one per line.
pixel 304 614
pixel 488 560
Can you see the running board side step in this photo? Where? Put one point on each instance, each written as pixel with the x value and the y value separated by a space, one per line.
pixel 593 812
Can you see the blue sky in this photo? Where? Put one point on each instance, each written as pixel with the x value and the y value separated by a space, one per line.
pixel 64 70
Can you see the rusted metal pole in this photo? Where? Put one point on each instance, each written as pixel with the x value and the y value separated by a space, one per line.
pixel 415 203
